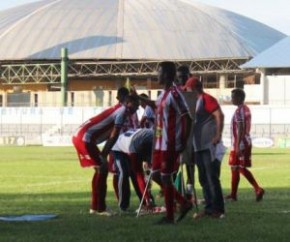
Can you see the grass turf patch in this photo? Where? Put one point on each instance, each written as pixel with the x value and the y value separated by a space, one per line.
pixel 45 180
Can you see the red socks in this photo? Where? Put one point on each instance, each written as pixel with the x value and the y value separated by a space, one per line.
pixel 169 200
pixel 99 190
pixel 235 183
pixel 249 176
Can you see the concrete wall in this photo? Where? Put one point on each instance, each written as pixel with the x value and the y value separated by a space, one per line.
pixel 45 125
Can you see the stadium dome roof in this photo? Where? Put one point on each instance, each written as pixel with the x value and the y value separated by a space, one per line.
pixel 129 30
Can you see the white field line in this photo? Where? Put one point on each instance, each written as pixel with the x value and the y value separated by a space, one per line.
pixel 54 183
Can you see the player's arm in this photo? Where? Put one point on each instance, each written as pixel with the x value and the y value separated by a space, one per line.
pixel 219 119
pixel 240 134
pixel 111 141
pixel 143 121
pixel 148 102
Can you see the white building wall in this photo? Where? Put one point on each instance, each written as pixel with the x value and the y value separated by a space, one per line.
pixel 279 90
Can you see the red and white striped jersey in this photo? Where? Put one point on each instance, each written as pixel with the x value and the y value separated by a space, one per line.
pixel 149 115
pixel 241 116
pixel 170 127
pixel 98 128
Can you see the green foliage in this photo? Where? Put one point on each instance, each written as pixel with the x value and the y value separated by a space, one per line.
pixel 39 180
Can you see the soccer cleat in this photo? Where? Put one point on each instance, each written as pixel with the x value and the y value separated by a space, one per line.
pixel 147 210
pixel 106 213
pixel 260 194
pixel 231 198
pixel 183 211
pixel 165 221
pixel 92 211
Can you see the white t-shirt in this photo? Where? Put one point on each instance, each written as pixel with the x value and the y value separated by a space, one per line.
pixel 132 140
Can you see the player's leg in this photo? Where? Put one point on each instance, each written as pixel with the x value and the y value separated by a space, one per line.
pixel 217 194
pixel 123 173
pixel 246 161
pixel 235 176
pixel 112 170
pixel 138 172
pixel 170 167
pixel 99 181
pixel 251 179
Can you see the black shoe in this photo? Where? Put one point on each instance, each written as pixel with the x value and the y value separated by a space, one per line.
pixel 260 194
pixel 183 211
pixel 164 220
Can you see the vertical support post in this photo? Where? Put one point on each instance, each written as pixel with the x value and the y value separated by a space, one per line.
pixel 223 78
pixel 264 99
pixel 64 75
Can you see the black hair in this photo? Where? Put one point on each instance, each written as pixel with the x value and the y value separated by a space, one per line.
pixel 169 68
pixel 122 93
pixel 240 93
pixel 183 69
pixel 132 99
pixel 144 95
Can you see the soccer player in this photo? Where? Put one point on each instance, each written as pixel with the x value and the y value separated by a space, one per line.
pixel 171 132
pixel 105 126
pixel 241 153
pixel 187 156
pixel 131 149
pixel 209 120
pixel 182 75
pixel 148 117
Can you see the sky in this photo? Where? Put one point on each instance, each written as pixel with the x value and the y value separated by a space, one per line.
pixel 274 13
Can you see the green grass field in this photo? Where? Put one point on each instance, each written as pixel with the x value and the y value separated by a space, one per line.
pixel 38 180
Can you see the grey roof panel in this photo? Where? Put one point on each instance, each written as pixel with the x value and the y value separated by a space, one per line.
pixel 277 56
pixel 130 29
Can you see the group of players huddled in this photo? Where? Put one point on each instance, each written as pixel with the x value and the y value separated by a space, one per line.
pixel 183 126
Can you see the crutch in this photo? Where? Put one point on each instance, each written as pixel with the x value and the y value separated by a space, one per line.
pixel 144 193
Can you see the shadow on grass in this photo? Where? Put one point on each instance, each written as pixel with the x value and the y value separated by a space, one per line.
pixel 263 221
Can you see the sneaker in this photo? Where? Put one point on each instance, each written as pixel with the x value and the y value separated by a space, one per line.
pixel 106 213
pixel 164 221
pixel 230 198
pixel 260 194
pixel 200 215
pixel 92 211
pixel 145 210
pixel 201 201
pixel 157 210
pixel 183 211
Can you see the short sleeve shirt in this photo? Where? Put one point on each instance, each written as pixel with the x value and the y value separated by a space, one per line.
pixel 171 108
pixel 98 128
pixel 242 116
pixel 205 125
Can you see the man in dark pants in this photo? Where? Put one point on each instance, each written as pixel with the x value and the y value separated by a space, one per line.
pixel 209 120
